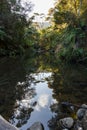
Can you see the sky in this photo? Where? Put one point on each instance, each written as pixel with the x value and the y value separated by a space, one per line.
pixel 41 6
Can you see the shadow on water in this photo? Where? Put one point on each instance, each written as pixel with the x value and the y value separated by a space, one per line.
pixel 31 85
pixel 70 84
pixel 10 73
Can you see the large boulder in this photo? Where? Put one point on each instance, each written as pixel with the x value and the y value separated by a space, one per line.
pixel 81 122
pixel 81 112
pixel 78 125
pixel 84 121
pixel 66 122
pixel 4 125
pixel 36 126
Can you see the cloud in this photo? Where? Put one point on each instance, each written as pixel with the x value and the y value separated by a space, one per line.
pixel 42 102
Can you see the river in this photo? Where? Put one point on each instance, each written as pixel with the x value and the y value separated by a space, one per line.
pixel 31 85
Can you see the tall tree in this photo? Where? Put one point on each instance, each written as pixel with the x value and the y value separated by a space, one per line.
pixel 13 21
pixel 70 18
pixel 67 11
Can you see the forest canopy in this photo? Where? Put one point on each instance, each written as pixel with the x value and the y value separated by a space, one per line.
pixel 14 24
pixel 69 19
pixel 66 34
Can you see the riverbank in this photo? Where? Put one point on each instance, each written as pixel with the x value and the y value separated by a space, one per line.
pixel 63 121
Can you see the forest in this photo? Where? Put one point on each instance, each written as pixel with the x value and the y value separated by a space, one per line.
pixel 43 65
pixel 66 35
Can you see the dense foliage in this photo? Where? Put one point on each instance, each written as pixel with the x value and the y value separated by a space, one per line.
pixel 66 36
pixel 69 20
pixel 15 26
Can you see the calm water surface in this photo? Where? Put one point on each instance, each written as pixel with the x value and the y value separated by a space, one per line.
pixel 38 97
pixel 30 86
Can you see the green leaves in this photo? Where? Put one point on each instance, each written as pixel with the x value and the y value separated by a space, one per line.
pixel 69 11
pixel 2 35
pixel 31 36
pixel 13 19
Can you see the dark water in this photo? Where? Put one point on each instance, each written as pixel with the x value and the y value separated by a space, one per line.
pixel 31 85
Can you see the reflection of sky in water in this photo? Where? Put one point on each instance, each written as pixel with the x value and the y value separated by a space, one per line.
pixel 42 102
pixel 43 99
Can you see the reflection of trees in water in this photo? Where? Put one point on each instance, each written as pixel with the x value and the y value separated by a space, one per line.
pixel 24 105
pixel 70 84
pixel 40 62
pixel 11 71
pixel 27 103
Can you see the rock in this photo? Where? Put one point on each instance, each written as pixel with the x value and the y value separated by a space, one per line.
pixel 79 128
pixel 84 121
pixel 36 126
pixel 66 122
pixel 67 107
pixel 84 106
pixel 4 125
pixel 81 112
pixel 65 129
pixel 78 125
pixel 55 107
pixel 82 116
pixel 52 122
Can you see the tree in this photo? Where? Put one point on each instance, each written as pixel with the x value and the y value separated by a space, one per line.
pixel 67 11
pixel 70 18
pixel 13 21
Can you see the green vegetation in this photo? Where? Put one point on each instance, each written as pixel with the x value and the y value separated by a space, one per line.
pixel 15 27
pixel 69 30
pixel 66 36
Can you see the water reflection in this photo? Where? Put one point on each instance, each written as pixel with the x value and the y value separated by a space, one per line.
pixel 43 101
pixel 37 99
pixel 30 88
pixel 10 73
pixel 70 84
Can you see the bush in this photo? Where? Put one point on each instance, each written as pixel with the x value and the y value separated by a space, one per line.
pixel 70 54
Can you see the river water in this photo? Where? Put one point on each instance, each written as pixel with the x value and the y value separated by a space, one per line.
pixel 31 85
